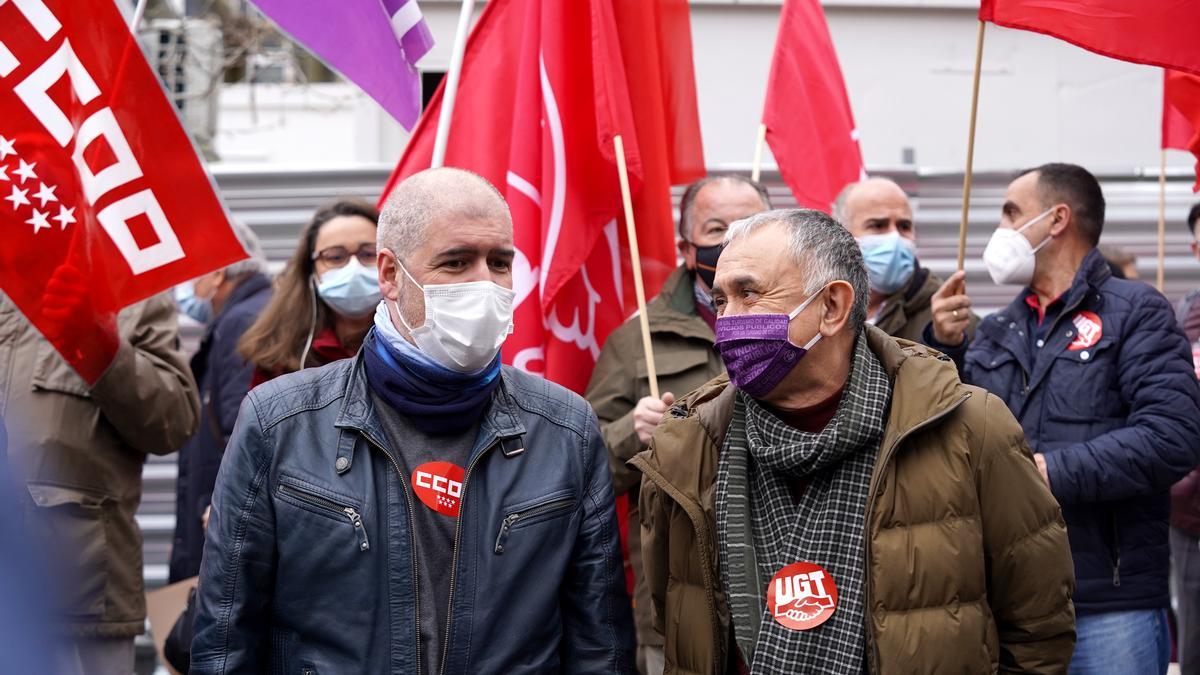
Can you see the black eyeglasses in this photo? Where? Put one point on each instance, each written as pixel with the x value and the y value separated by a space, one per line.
pixel 339 256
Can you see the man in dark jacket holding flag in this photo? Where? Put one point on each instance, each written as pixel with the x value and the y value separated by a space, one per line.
pixel 1100 377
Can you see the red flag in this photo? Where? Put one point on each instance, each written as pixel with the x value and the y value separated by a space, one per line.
pixel 104 201
pixel 656 48
pixel 1154 32
pixel 810 126
pixel 1181 115
pixel 537 109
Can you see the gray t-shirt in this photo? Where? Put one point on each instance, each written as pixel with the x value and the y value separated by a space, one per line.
pixel 433 469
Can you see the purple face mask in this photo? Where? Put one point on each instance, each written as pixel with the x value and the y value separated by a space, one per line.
pixel 756 349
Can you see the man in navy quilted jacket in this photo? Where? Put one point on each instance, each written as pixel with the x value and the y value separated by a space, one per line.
pixel 1100 376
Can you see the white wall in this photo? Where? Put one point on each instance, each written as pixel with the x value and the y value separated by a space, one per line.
pixel 908 71
pixel 907 65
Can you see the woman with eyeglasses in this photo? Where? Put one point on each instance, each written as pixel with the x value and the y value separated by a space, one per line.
pixel 325 300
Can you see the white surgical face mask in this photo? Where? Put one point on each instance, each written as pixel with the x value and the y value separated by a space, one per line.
pixel 465 324
pixel 351 290
pixel 1009 257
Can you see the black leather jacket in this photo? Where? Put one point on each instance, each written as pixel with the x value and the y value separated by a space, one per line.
pixel 308 564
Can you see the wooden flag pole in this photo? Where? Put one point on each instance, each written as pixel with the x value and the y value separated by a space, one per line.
pixel 631 232
pixel 756 169
pixel 451 91
pixel 966 199
pixel 1162 218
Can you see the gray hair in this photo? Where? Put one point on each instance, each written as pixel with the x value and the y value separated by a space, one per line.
pixel 418 199
pixel 688 201
pixel 821 248
pixel 256 263
pixel 840 212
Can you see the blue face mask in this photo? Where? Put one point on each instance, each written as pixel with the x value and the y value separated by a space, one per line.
pixel 890 260
pixel 199 309
pixel 351 290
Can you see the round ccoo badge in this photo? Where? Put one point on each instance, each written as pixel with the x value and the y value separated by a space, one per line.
pixel 439 486
pixel 802 596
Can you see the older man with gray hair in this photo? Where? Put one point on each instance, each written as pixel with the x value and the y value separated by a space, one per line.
pixel 840 503
pixel 226 302
pixel 420 508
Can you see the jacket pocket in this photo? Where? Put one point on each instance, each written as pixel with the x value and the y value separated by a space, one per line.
pixel 71 525
pixel 337 508
pixel 685 364
pixel 538 512
pixel 1079 386
pixel 52 373
pixel 996 370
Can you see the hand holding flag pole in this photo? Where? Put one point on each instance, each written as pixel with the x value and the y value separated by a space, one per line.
pixel 631 232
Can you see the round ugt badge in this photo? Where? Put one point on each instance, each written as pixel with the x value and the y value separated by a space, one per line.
pixel 802 596
pixel 439 486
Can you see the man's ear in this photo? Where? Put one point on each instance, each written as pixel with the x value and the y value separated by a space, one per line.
pixel 688 253
pixel 390 277
pixel 839 303
pixel 1059 219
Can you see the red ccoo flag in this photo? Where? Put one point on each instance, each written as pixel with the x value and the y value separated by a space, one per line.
pixel 1181 115
pixel 104 201
pixel 1153 32
pixel 536 112
pixel 810 126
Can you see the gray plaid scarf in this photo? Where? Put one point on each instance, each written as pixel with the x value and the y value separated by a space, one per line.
pixel 760 529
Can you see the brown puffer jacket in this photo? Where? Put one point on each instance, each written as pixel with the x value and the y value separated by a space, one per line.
pixel 684 357
pixel 968 567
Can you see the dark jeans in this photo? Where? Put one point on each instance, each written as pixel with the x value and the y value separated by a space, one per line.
pixel 1185 587
pixel 1122 643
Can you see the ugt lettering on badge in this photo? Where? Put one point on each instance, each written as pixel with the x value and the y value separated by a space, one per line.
pixel 96 172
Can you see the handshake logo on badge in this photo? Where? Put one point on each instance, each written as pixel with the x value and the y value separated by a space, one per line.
pixel 801 597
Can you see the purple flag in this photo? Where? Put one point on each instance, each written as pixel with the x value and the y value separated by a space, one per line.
pixel 409 25
pixel 373 43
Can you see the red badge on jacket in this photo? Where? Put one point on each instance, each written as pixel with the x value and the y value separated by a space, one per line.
pixel 439 486
pixel 1088 331
pixel 802 596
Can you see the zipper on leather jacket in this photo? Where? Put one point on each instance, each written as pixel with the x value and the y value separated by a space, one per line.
pixel 462 513
pixel 1116 552
pixel 512 519
pixel 330 505
pixel 412 528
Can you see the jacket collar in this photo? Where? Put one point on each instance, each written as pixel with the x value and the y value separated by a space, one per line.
pixel 925 385
pixel 674 310
pixel 358 416
pixel 1006 328
pixel 251 285
pixel 909 300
